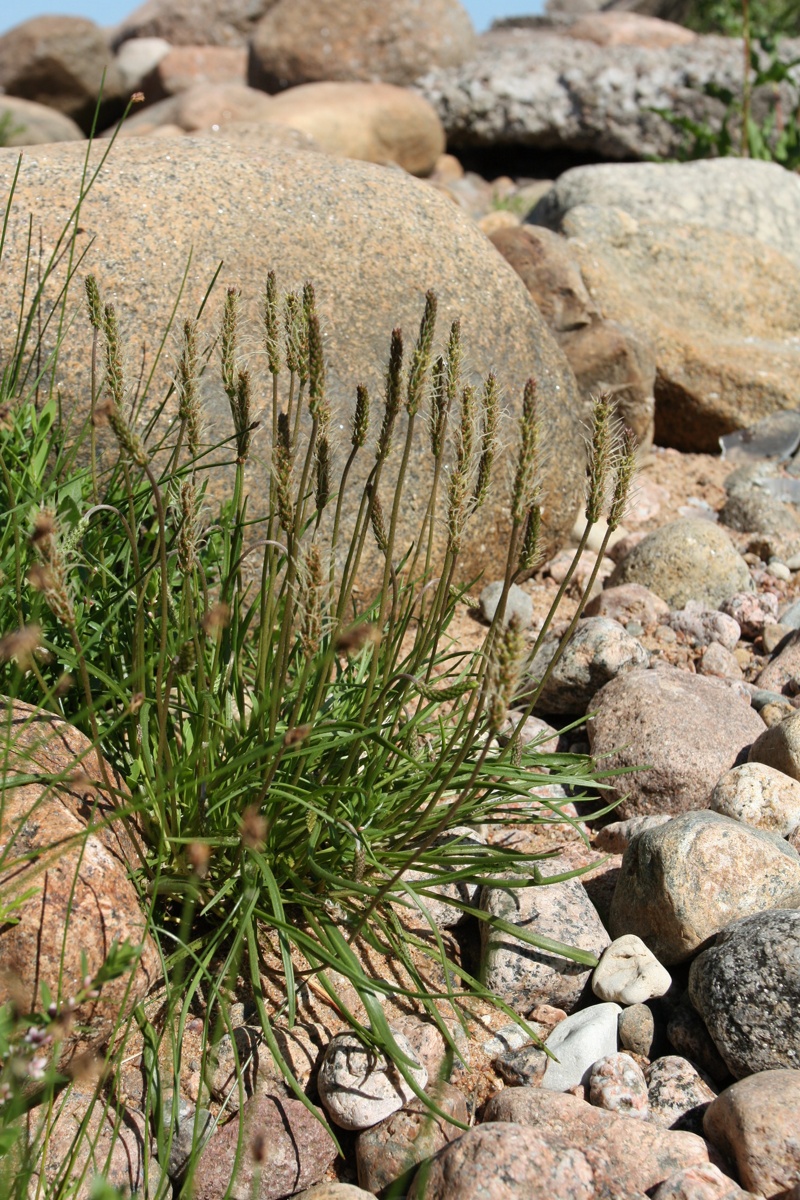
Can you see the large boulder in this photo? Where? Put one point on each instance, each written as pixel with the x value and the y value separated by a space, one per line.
pixel 373 240
pixel 534 87
pixel 59 61
pixel 733 195
pixel 194 22
pixel 303 41
pixel 375 122
pixel 720 308
pixel 675 732
pixel 60 841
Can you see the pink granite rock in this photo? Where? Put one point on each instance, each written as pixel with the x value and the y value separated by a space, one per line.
pixel 756 1122
pixel 617 1084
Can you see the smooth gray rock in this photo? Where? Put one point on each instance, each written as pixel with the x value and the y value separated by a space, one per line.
pixel 740 195
pixel 746 987
pixel 683 882
pixel 518 604
pixel 360 1088
pixel 629 973
pixel 577 1043
pixel 755 503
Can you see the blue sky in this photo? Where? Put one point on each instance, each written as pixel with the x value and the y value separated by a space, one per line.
pixel 109 12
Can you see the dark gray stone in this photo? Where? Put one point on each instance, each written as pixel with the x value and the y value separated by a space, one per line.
pixel 746 987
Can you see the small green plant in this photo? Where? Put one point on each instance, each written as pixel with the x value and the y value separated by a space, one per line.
pixel 9 128
pixel 775 137
pixel 291 752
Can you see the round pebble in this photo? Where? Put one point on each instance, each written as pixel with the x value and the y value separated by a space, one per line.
pixel 359 1087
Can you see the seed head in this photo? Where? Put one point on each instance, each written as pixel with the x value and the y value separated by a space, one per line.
pixel 322 468
pixel 600 457
pixel 186 383
pixel 254 828
pixel 504 668
pixel 523 493
pixel 491 416
pixel 271 315
pixel 625 471
pixel 228 336
pixel 360 417
pixel 421 357
pixel 394 384
pixel 93 303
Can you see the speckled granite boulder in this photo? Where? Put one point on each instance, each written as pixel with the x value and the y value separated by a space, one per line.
pixel 60 61
pixel 700 1183
pixel 617 1084
pixel 301 41
pixel 678 1095
pixel 625 1156
pixel 396 1145
pixel 746 988
pixel 683 882
pixel 761 796
pixel 686 559
pixel 503 1161
pixel 681 731
pixel 359 1087
pixel 755 1122
pixel 307 216
pixel 520 973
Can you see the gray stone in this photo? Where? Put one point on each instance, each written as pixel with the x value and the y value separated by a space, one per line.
pixel 617 1084
pixel 628 973
pixel 625 1157
pixel 739 195
pixel 518 604
pixel 521 1068
pixel 599 650
pixel 577 1043
pixel 534 87
pixel 754 1122
pixel 637 1032
pixel 717 661
pixel 782 672
pixel 683 882
pixel 746 988
pixel 358 1087
pixel 303 41
pixel 679 732
pixel 523 975
pixel 444 915
pixel 60 61
pixel 677 1093
pixel 138 57
pixel 752 506
pixel 284 209
pixel 285 1148
pixel 687 559
pixel 758 795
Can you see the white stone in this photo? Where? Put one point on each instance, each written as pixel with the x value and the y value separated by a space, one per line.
pixel 629 973
pixel 759 795
pixel 358 1087
pixel 578 1042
